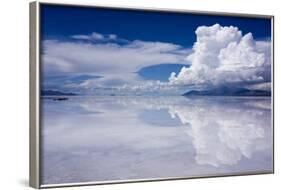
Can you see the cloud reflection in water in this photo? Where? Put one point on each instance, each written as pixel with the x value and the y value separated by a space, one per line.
pixel 119 138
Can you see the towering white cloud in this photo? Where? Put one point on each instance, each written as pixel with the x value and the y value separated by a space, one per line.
pixel 223 55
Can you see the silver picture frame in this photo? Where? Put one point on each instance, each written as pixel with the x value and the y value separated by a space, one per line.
pixel 35 102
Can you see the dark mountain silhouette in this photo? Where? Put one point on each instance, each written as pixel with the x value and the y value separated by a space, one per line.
pixel 56 93
pixel 227 91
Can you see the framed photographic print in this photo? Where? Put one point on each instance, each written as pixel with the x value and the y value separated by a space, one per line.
pixel 122 94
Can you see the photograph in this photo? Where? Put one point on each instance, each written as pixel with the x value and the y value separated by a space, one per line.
pixel 141 94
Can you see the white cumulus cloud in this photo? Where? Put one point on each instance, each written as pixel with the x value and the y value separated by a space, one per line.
pixel 222 55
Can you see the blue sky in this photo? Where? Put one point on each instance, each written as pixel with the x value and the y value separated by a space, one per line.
pixel 167 38
pixel 63 21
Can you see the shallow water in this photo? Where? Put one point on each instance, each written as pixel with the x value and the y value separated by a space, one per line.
pixel 90 139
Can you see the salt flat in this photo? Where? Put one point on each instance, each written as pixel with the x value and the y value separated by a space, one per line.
pixel 87 138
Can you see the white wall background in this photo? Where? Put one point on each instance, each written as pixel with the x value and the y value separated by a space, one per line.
pixel 14 94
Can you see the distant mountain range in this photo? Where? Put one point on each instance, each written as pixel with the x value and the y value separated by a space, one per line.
pixel 227 91
pixel 218 91
pixel 55 93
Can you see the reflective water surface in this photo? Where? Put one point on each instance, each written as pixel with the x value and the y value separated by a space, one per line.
pixel 88 139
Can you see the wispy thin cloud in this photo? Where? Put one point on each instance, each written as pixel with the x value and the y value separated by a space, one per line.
pixel 98 37
pixel 109 58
